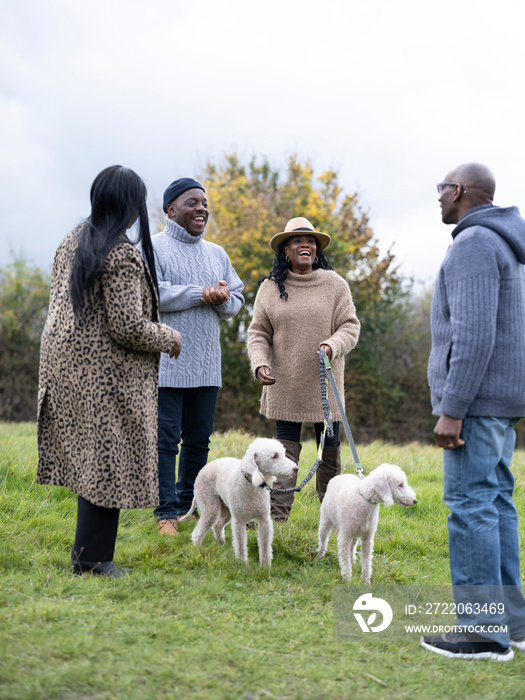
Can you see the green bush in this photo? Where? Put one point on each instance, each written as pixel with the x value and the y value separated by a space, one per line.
pixel 24 294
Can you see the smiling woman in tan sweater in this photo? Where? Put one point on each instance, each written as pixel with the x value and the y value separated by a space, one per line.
pixel 303 306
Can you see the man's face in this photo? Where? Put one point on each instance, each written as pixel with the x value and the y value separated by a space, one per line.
pixel 190 210
pixel 447 200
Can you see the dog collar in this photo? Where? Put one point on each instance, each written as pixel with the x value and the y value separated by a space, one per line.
pixel 375 503
pixel 248 477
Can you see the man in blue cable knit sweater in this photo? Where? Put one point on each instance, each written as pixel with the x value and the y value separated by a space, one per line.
pixel 197 288
pixel 476 374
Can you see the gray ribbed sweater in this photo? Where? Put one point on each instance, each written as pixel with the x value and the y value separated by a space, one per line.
pixel 477 363
pixel 185 264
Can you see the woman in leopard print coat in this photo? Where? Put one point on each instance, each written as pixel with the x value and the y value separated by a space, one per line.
pixel 97 398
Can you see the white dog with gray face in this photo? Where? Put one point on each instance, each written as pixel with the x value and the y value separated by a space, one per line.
pixel 351 505
pixel 234 489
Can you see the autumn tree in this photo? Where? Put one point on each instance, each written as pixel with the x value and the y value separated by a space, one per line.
pixel 249 202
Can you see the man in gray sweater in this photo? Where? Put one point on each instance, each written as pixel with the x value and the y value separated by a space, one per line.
pixel 198 287
pixel 476 374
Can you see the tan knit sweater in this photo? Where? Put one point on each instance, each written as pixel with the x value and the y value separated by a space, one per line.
pixel 285 335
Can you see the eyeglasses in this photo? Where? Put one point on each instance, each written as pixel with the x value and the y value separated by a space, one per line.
pixel 441 185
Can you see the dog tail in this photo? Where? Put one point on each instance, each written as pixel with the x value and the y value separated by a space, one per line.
pixel 192 508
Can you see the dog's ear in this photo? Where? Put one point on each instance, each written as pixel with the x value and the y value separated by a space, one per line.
pixel 257 478
pixel 384 491
pixel 248 463
pixel 250 467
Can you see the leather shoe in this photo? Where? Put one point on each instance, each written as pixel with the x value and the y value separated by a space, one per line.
pixel 168 526
pixel 101 568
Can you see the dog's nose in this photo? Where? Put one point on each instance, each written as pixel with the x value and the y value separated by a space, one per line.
pixel 295 469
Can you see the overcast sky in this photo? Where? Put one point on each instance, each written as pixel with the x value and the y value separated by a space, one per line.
pixel 392 95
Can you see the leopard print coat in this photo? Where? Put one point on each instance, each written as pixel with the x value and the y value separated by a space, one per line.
pixel 97 396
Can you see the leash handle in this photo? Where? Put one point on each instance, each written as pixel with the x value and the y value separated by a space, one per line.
pixel 329 421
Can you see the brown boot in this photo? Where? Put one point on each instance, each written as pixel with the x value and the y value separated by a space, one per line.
pixel 168 526
pixel 329 467
pixel 281 503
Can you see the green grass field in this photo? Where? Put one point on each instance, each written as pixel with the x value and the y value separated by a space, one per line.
pixel 195 623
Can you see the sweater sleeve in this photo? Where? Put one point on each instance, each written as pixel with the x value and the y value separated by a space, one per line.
pixel 173 297
pixel 344 322
pixel 236 301
pixel 122 292
pixel 260 335
pixel 472 284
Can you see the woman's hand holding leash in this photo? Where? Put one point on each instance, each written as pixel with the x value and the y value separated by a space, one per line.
pixel 327 349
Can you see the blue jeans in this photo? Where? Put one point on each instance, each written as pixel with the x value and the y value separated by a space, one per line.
pixel 187 415
pixel 483 525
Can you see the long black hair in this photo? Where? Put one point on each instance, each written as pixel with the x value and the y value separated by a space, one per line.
pixel 281 267
pixel 118 199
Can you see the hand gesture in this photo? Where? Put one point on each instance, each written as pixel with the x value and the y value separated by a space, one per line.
pixel 264 376
pixel 215 294
pixel 177 344
pixel 447 432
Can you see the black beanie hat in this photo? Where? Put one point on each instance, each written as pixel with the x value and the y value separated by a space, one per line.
pixel 178 187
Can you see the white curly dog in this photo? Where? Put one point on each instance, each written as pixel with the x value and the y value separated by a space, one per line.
pixel 234 489
pixel 351 505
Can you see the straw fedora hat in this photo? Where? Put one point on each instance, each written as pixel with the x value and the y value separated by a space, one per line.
pixel 299 226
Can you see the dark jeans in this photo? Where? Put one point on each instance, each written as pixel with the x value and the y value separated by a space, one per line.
pixel 286 430
pixel 185 415
pixel 96 532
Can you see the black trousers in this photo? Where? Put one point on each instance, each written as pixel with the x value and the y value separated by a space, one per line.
pixel 286 430
pixel 96 532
